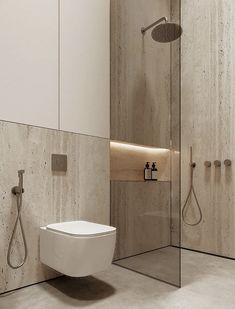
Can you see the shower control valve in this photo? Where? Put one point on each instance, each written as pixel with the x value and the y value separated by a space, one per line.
pixel 227 162
pixel 217 163
pixel 207 163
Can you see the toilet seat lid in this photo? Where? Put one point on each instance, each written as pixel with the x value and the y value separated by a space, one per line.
pixel 81 228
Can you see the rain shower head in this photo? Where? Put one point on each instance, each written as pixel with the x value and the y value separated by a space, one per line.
pixel 164 32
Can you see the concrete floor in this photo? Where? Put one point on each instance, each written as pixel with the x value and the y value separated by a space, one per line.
pixel 163 264
pixel 208 283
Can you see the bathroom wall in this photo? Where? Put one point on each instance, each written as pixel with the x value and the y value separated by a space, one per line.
pixel 208 113
pixel 143 81
pixel 140 74
pixel 81 193
pixel 127 162
pixel 141 210
pixel 140 114
pixel 60 81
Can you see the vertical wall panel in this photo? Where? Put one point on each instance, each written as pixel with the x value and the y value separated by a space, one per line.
pixel 85 57
pixel 208 113
pixel 140 75
pixel 141 213
pixel 29 62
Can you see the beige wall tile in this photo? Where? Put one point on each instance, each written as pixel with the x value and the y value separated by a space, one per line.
pixel 141 213
pixel 140 74
pixel 208 111
pixel 83 192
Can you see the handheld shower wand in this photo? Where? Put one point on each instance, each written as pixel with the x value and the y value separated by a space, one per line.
pixel 18 192
pixel 191 192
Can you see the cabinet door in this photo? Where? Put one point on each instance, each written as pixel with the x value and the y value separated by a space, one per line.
pixel 29 62
pixel 85 73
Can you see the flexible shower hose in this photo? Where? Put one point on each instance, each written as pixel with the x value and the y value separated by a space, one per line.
pixel 18 194
pixel 191 192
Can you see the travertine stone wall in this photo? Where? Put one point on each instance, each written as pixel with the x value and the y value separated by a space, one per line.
pixel 140 74
pixel 208 113
pixel 141 212
pixel 140 114
pixel 81 193
pixel 145 109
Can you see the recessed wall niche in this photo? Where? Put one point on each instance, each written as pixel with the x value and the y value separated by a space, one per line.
pixel 128 161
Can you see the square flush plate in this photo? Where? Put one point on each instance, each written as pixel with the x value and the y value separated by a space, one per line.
pixel 59 163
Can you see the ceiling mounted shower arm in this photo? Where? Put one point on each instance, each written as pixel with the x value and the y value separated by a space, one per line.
pixel 143 30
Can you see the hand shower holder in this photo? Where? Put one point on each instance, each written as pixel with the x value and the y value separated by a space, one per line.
pixel 16 190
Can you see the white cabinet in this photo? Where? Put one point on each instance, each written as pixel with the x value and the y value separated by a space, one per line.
pixel 85 67
pixel 29 62
pixel 55 64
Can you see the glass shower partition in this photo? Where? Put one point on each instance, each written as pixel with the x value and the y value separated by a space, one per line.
pixel 145 127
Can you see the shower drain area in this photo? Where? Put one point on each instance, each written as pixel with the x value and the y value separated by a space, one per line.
pixel 161 264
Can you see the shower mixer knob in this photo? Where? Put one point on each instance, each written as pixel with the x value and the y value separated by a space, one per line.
pixel 207 163
pixel 217 163
pixel 227 162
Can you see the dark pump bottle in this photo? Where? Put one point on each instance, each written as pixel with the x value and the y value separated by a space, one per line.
pixel 147 172
pixel 154 171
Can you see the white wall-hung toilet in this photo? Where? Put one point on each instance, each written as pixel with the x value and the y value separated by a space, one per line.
pixel 77 248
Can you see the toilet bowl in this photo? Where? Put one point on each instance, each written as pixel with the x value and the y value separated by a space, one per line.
pixel 78 248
